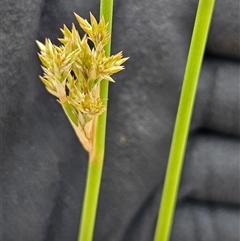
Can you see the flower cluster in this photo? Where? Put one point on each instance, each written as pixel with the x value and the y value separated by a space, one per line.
pixel 73 71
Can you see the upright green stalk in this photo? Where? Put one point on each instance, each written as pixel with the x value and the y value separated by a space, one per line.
pixel 175 162
pixel 96 156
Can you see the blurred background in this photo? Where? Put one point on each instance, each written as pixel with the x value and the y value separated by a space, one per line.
pixel 43 166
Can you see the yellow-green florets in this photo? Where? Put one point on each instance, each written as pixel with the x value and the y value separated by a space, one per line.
pixel 73 71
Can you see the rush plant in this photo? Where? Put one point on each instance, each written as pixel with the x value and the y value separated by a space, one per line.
pixel 78 75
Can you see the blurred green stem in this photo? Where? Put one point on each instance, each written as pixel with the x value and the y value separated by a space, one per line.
pixel 96 156
pixel 176 157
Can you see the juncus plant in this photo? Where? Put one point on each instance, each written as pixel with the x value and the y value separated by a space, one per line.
pixel 78 76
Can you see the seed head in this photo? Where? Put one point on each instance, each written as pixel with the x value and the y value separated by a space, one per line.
pixel 73 71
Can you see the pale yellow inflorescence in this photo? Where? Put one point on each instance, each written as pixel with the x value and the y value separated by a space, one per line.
pixel 73 71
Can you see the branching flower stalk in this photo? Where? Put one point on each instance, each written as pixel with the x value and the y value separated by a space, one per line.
pixel 180 135
pixel 73 73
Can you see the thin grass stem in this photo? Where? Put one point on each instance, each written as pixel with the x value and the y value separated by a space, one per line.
pixel 96 156
pixel 180 135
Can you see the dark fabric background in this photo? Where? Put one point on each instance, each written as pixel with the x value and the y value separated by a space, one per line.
pixel 43 166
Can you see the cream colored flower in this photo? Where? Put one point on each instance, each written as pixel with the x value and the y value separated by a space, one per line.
pixel 73 71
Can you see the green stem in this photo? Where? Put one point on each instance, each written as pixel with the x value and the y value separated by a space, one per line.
pixel 90 200
pixel 96 156
pixel 175 162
